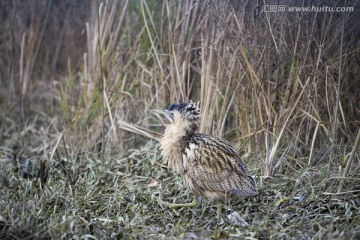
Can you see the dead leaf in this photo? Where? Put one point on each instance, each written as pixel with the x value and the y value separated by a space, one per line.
pixel 153 183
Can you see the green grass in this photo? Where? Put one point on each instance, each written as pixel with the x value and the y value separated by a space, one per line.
pixel 96 200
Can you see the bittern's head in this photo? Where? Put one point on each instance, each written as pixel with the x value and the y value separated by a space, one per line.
pixel 186 112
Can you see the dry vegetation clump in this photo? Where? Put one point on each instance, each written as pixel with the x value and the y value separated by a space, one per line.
pixel 79 82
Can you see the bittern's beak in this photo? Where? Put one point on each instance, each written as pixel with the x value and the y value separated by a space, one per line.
pixel 168 114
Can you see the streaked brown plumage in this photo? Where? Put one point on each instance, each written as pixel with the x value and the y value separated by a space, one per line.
pixel 210 166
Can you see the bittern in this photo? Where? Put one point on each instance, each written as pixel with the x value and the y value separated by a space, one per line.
pixel 210 166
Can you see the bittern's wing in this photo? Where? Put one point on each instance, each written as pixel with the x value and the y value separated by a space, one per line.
pixel 215 165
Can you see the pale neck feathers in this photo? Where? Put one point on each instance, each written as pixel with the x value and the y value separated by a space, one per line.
pixel 171 143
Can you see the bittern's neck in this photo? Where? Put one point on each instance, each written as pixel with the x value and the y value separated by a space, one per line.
pixel 181 128
pixel 173 141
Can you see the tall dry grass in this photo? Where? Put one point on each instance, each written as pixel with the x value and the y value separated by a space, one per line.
pixel 266 81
